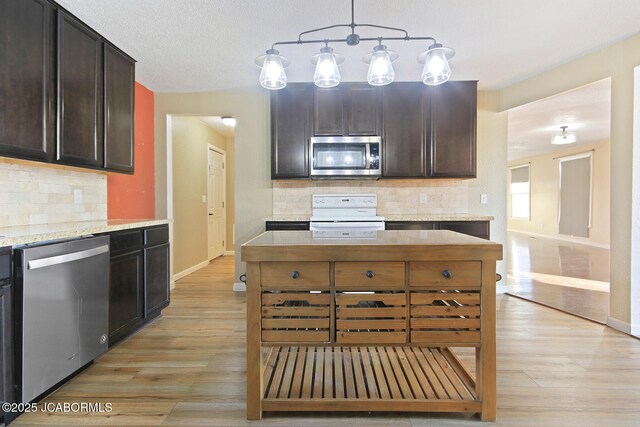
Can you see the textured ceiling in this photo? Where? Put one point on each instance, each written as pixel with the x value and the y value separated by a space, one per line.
pixel 585 110
pixel 207 45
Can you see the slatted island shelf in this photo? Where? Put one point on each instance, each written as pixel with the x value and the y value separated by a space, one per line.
pixel 370 324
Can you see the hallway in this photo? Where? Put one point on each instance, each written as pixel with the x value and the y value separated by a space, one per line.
pixel 570 277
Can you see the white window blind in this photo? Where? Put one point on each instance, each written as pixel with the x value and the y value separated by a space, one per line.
pixel 520 190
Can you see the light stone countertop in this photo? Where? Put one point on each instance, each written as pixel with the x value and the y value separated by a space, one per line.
pixel 12 236
pixel 398 217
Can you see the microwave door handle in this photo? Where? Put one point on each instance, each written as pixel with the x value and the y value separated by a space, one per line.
pixel 367 156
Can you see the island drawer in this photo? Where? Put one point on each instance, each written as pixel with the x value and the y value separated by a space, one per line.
pixel 445 274
pixel 369 275
pixel 296 316
pixel 378 318
pixel 294 275
pixel 445 317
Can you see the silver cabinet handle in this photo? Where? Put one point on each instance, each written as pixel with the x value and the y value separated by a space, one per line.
pixel 61 259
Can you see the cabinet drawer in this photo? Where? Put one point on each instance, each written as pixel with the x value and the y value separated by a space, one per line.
pixel 156 235
pixel 445 317
pixel 446 274
pixel 378 318
pixel 370 275
pixel 125 240
pixel 294 275
pixel 295 316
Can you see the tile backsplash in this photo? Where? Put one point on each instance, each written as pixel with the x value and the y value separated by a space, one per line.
pixel 394 196
pixel 39 195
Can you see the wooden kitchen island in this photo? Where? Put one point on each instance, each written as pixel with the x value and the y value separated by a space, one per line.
pixel 369 324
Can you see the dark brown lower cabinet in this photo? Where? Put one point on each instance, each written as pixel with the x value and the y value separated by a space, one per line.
pixel 126 295
pixel 287 225
pixel 156 267
pixel 472 228
pixel 139 281
pixel 6 335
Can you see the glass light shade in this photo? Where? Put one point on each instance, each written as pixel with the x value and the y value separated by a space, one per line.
pixel 436 66
pixel 380 68
pixel 563 137
pixel 327 73
pixel 272 75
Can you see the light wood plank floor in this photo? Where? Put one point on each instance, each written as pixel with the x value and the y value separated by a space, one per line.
pixel 567 276
pixel 188 368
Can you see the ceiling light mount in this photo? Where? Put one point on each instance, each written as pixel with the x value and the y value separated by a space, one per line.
pixel 564 137
pixel 436 58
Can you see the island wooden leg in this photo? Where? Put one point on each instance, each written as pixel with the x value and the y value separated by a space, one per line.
pixel 254 353
pixel 486 354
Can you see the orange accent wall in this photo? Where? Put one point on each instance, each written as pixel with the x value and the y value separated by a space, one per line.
pixel 133 196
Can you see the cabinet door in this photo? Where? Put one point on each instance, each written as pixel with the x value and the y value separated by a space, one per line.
pixel 156 278
pixel 126 295
pixel 26 82
pixel 364 112
pixel 79 79
pixel 328 112
pixel 405 126
pixel 453 132
pixel 119 80
pixel 290 131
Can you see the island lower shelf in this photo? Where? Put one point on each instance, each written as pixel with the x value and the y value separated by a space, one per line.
pixel 357 378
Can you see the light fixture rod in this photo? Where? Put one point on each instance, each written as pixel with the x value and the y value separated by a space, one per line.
pixel 366 39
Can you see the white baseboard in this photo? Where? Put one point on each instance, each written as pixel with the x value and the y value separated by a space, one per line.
pixel 240 287
pixel 564 239
pixel 623 326
pixel 190 270
pixel 229 253
pixel 172 285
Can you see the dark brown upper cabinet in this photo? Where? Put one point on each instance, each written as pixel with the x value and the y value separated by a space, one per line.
pixel 406 125
pixel 453 130
pixel 26 79
pixel 119 86
pixel 66 94
pixel 291 129
pixel 79 79
pixel 351 109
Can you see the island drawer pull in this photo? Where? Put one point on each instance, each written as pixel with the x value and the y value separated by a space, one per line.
pixel 369 274
pixel 295 274
pixel 446 274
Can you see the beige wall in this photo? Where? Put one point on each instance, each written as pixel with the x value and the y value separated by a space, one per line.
pixel 191 138
pixel 545 175
pixel 252 172
pixel 618 62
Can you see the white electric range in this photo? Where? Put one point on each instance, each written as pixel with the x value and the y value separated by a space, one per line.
pixel 345 215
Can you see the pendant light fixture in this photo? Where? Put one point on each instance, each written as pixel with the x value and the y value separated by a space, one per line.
pixel 563 137
pixel 272 75
pixel 436 58
pixel 327 73
pixel 380 61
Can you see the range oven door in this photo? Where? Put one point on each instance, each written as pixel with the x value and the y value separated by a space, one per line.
pixel 348 229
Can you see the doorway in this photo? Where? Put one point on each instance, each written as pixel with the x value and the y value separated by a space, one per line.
pixel 216 202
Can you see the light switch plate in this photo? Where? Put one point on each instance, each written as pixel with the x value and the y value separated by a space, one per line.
pixel 484 199
pixel 77 196
pixel 423 197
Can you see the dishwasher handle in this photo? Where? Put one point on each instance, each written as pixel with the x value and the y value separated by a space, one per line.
pixel 61 259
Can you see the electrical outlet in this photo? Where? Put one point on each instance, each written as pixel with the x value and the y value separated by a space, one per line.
pixel 77 196
pixel 423 198
pixel 484 199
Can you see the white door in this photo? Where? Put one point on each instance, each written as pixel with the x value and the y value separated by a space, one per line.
pixel 216 204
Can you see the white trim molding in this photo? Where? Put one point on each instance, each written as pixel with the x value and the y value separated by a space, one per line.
pixel 229 253
pixel 240 287
pixel 623 326
pixel 579 240
pixel 190 270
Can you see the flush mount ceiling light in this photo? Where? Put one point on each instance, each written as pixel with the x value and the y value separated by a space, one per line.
pixel 229 121
pixel 563 137
pixel 436 58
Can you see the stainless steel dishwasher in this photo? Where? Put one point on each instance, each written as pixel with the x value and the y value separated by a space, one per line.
pixel 63 296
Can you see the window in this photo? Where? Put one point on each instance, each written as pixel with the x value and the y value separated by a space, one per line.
pixel 519 189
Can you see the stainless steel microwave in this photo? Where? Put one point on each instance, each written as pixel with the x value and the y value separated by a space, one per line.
pixel 346 157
